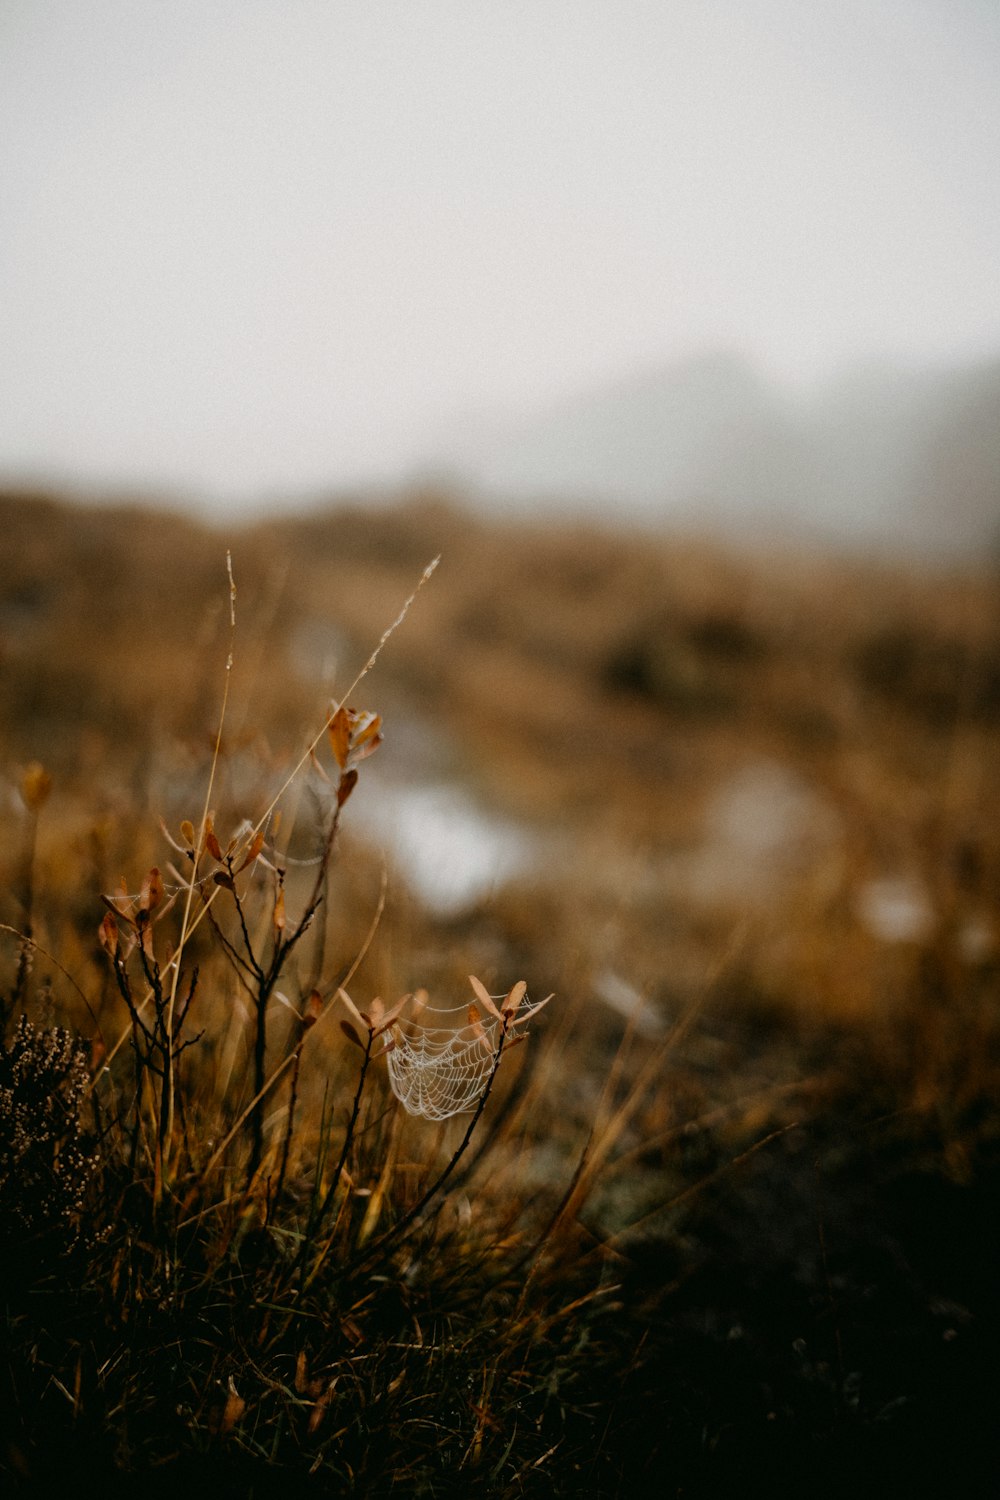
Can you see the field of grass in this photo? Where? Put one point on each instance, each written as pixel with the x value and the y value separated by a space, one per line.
pixel 728 1218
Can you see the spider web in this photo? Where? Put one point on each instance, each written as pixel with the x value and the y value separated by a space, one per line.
pixel 440 1071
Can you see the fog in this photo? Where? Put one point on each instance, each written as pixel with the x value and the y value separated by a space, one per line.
pixel 259 251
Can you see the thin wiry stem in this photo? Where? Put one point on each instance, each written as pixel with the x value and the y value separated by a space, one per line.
pixel 412 1215
pixel 186 924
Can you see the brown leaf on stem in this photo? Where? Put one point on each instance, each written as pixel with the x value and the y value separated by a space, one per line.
pixel 351 1034
pixel 475 1022
pixel 152 892
pixel 253 853
pixel 211 842
pixel 513 1000
pixel 313 1009
pixel 108 934
pixel 484 997
pixel 375 1013
pixel 319 1409
pixel 187 832
pixel 367 735
pixel 120 904
pixel 352 1009
pixel 392 1014
pixel 279 911
pixel 339 732
pixel 232 1411
pixel 348 782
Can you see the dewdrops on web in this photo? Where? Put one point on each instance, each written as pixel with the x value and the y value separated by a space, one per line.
pixel 441 1060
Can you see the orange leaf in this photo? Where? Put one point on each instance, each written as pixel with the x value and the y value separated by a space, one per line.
pixel 256 845
pixel 312 1009
pixel 369 730
pixel 187 833
pixel 108 933
pixel 367 736
pixel 232 1412
pixel 211 842
pixel 319 1409
pixel 475 1022
pixel 279 910
pixel 339 731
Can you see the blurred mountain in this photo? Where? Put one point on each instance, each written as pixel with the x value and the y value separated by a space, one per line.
pixel 879 457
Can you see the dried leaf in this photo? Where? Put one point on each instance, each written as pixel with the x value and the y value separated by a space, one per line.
pixel 301 1373
pixel 187 833
pixel 390 1016
pixel 475 1022
pixel 253 853
pixel 352 1009
pixel 36 784
pixel 348 782
pixel 313 1009
pixel 114 905
pixel 232 1411
pixel 108 933
pixel 366 736
pixel 152 892
pixel 279 911
pixel 339 732
pixel 211 842
pixel 226 881
pixel 351 1034
pixel 376 1012
pixel 370 726
pixel 484 997
pixel 513 1000
pixel 319 1410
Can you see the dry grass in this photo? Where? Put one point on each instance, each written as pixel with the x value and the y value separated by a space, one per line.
pixel 746 1235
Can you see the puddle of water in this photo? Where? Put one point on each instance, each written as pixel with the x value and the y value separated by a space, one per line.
pixel 451 851
pixel 895 910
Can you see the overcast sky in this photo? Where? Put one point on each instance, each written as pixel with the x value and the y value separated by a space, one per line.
pixel 253 246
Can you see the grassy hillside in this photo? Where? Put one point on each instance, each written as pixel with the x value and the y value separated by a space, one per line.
pixel 728 1215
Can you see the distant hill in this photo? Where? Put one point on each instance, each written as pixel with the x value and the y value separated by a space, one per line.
pixel 880 456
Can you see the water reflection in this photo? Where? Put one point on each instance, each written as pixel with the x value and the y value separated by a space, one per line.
pixel 452 851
